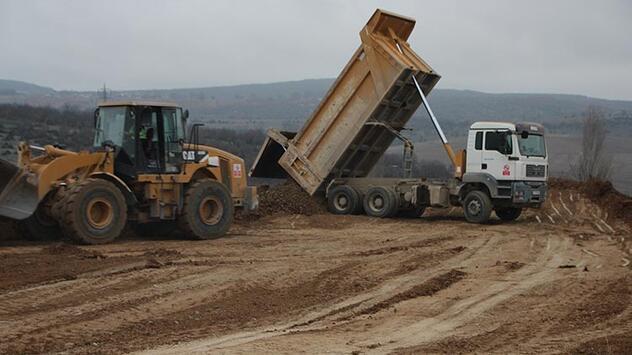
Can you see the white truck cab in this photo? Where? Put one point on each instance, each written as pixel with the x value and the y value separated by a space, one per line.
pixel 508 161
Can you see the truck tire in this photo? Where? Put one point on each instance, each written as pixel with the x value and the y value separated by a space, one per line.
pixel 380 202
pixel 95 212
pixel 477 207
pixel 344 199
pixel 508 214
pixel 39 226
pixel 414 212
pixel 208 210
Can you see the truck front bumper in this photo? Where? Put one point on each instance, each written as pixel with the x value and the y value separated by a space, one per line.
pixel 528 193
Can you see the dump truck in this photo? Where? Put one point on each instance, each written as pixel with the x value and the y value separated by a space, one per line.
pixel 140 169
pixel 503 169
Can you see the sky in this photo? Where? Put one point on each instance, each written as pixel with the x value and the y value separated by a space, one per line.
pixel 576 47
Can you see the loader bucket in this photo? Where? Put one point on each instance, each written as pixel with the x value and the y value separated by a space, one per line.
pixel 18 197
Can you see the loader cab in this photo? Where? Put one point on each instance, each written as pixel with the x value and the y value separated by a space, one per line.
pixel 147 137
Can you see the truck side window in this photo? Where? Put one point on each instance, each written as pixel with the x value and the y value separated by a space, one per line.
pixel 498 141
pixel 478 145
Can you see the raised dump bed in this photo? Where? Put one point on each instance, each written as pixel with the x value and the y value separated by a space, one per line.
pixel 360 115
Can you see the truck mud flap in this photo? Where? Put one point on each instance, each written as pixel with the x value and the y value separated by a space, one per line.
pixel 266 165
pixel 18 197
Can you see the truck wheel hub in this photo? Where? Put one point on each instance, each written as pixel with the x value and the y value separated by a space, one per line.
pixel 474 207
pixel 378 202
pixel 99 213
pixel 211 210
pixel 341 202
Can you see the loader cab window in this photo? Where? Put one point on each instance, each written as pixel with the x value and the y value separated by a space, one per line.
pixel 110 125
pixel 499 141
pixel 173 128
pixel 149 144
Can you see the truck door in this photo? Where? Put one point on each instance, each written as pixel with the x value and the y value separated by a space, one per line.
pixel 497 155
pixel 474 150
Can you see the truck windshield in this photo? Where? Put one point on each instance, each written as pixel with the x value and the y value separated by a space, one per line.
pixel 532 145
pixel 110 125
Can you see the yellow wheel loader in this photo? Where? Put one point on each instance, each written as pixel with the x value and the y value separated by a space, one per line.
pixel 141 168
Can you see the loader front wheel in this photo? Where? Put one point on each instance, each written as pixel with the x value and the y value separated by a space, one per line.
pixel 39 226
pixel 95 212
pixel 208 210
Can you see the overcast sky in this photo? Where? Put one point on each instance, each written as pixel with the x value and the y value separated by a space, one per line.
pixel 579 47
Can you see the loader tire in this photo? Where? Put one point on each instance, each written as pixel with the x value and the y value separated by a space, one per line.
pixel 344 199
pixel 208 210
pixel 508 214
pixel 380 202
pixel 95 212
pixel 39 226
pixel 477 207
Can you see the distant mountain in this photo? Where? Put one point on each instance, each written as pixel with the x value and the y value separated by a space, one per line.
pixel 14 87
pixel 287 105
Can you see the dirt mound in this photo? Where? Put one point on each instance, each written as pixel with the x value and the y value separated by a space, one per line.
pixel 288 198
pixel 601 193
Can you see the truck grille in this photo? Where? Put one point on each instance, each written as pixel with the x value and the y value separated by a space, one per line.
pixel 536 170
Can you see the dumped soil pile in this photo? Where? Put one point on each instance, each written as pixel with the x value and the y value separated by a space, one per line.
pixel 602 193
pixel 288 198
pixel 67 249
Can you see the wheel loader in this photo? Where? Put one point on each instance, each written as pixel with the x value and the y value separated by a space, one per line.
pixel 141 171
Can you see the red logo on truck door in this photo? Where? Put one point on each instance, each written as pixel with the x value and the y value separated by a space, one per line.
pixel 506 171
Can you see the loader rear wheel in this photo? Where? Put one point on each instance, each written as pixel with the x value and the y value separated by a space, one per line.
pixel 508 214
pixel 39 226
pixel 95 212
pixel 208 210
pixel 344 199
pixel 380 202
pixel 477 207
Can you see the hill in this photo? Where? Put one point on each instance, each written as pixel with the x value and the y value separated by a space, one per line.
pixel 286 105
pixel 14 87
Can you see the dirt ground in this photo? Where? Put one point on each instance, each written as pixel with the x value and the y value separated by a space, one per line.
pixel 556 280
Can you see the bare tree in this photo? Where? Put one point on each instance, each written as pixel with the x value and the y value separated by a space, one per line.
pixel 594 162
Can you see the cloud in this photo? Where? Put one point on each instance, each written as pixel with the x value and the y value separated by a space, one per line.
pixel 497 46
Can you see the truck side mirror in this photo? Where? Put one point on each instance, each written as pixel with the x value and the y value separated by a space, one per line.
pixel 185 114
pixel 524 135
pixel 96 117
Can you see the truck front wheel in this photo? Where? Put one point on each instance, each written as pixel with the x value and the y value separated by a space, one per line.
pixel 508 214
pixel 477 207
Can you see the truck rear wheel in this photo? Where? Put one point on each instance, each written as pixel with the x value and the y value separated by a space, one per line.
pixel 95 212
pixel 208 210
pixel 344 199
pixel 477 207
pixel 508 214
pixel 380 202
